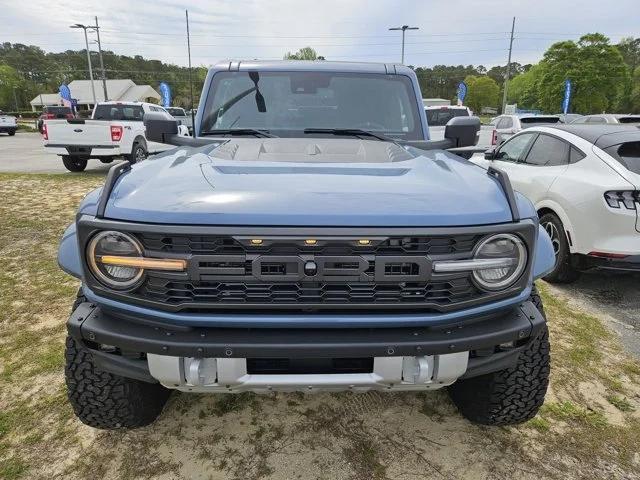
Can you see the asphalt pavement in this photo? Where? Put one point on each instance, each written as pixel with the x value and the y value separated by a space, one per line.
pixel 24 153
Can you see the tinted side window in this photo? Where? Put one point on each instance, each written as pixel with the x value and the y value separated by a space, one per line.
pixel 628 154
pixel 548 151
pixel 575 155
pixel 513 149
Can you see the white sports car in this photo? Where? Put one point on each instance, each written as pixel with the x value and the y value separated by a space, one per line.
pixel 585 183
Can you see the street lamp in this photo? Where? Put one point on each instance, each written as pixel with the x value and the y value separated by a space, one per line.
pixel 404 28
pixel 86 41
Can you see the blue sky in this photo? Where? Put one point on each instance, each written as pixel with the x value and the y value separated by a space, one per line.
pixel 451 31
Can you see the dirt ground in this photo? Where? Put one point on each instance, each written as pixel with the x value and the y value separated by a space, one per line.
pixel 589 426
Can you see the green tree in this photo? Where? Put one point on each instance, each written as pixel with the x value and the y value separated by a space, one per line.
pixel 523 89
pixel 306 53
pixel 9 81
pixel 629 48
pixel 482 91
pixel 634 102
pixel 596 69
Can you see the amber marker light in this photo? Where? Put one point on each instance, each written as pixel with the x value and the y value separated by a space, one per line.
pixel 364 242
pixel 172 264
pixel 256 241
pixel 310 241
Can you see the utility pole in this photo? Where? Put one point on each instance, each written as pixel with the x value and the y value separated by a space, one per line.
pixel 104 75
pixel 86 41
pixel 404 28
pixel 508 72
pixel 193 120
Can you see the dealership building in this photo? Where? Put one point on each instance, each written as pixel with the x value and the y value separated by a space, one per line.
pixel 117 90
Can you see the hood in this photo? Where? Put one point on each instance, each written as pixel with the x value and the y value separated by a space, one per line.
pixel 312 182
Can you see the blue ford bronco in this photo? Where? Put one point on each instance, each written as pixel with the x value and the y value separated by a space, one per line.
pixel 309 237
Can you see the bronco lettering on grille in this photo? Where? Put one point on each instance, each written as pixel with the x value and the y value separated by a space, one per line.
pixel 310 268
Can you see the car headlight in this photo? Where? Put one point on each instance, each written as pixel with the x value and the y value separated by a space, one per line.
pixel 116 260
pixel 505 258
pixel 106 245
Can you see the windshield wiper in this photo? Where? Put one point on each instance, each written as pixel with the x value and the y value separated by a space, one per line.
pixel 355 132
pixel 239 131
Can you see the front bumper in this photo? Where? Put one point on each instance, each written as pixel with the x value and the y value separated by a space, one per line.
pixel 152 351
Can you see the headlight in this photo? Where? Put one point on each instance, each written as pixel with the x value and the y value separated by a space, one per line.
pixel 110 244
pixel 505 257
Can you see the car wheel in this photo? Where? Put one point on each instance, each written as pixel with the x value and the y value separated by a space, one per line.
pixel 12 133
pixel 509 396
pixel 138 153
pixel 74 164
pixel 104 400
pixel 563 271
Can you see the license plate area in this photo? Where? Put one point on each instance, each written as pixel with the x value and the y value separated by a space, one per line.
pixel 302 366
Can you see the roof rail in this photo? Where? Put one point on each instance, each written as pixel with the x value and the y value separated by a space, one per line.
pixel 505 183
pixel 110 181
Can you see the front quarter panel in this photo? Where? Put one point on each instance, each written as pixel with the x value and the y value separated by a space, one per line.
pixel 69 254
pixel 543 258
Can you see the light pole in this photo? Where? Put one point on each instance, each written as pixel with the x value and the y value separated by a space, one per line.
pixel 104 76
pixel 86 41
pixel 404 28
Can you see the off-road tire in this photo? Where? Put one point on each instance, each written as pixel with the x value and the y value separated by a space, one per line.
pixel 138 153
pixel 563 271
pixel 74 164
pixel 106 401
pixel 510 396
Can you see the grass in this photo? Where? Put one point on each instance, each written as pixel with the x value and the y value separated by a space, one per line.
pixel 249 436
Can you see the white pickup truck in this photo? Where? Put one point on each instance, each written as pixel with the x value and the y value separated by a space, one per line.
pixel 114 130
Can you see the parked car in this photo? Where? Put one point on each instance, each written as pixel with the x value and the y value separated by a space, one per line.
pixel 8 124
pixel 568 117
pixel 508 125
pixel 115 130
pixel 604 118
pixel 306 239
pixel 181 116
pixel 51 113
pixel 584 181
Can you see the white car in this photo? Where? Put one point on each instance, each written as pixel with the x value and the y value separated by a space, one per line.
pixel 8 124
pixel 114 130
pixel 584 181
pixel 505 126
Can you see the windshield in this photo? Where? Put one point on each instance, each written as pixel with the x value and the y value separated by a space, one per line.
pixel 176 112
pixel 440 117
pixel 287 103
pixel 118 112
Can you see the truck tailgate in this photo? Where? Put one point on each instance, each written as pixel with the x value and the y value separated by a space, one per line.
pixel 74 132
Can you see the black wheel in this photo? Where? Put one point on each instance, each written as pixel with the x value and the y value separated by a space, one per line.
pixel 12 133
pixel 106 401
pixel 510 396
pixel 138 153
pixel 74 164
pixel 562 271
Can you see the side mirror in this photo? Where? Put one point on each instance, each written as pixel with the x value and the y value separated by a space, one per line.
pixel 463 131
pixel 490 154
pixel 159 128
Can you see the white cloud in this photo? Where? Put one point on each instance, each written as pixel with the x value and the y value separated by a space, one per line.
pixel 341 30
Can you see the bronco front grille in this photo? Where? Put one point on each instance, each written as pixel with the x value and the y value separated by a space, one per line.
pixel 288 273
